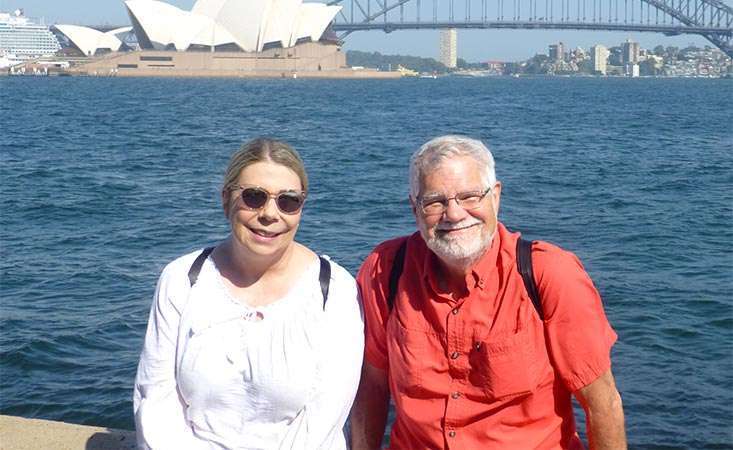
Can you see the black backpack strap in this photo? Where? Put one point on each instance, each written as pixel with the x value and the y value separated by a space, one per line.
pixel 524 265
pixel 394 275
pixel 324 278
pixel 193 272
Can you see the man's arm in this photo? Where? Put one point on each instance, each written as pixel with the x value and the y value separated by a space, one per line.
pixel 369 414
pixel 604 413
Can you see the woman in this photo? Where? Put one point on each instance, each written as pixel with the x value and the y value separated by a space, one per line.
pixel 254 346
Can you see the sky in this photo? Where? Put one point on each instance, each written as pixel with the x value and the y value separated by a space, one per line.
pixel 473 45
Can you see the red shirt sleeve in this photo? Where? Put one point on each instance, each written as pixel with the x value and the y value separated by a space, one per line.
pixel 373 281
pixel 578 333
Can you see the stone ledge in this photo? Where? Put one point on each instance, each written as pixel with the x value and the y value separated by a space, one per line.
pixel 18 433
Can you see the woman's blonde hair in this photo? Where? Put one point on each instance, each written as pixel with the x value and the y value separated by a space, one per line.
pixel 264 149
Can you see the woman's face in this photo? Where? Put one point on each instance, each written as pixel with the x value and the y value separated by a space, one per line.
pixel 267 230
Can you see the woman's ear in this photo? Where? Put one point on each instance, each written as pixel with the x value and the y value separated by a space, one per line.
pixel 225 202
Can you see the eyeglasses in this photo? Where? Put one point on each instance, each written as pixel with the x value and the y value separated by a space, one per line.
pixel 437 204
pixel 288 202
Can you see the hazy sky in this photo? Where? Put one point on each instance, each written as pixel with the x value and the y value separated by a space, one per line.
pixel 473 45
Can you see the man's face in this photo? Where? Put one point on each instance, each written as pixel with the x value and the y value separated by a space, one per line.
pixel 457 235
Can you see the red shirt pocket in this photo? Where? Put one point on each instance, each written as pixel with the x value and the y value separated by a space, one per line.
pixel 508 367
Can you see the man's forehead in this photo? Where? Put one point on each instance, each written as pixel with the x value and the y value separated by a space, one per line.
pixel 452 175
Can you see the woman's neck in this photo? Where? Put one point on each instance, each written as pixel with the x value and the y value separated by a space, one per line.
pixel 245 267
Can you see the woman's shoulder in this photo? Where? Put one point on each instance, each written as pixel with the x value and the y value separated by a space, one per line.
pixel 339 274
pixel 180 266
pixel 343 298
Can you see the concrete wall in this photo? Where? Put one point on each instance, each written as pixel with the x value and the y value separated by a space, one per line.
pixel 17 433
pixel 307 60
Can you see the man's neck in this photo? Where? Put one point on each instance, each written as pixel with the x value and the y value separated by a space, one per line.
pixel 452 277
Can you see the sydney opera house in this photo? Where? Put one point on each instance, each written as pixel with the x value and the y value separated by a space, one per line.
pixel 283 38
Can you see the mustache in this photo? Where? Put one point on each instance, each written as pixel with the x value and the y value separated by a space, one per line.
pixel 457 226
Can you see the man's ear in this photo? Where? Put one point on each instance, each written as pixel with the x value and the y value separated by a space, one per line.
pixel 496 196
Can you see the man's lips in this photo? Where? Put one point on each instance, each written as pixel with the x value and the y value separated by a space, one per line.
pixel 457 229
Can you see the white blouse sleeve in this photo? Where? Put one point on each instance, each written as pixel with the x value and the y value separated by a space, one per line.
pixel 340 368
pixel 158 408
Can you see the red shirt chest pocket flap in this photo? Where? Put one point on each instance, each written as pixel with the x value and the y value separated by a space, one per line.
pixel 511 365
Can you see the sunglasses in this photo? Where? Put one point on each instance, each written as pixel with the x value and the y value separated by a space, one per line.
pixel 288 202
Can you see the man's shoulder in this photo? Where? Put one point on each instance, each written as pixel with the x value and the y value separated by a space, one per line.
pixel 551 260
pixel 547 257
pixel 390 245
pixel 548 250
pixel 382 257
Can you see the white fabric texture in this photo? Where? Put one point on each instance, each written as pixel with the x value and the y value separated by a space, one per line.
pixel 217 374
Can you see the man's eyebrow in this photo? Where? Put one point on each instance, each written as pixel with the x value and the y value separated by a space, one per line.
pixel 433 195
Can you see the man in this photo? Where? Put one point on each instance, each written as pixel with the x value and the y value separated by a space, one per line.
pixel 464 353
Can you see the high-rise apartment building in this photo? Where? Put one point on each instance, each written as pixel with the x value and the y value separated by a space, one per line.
pixel 449 47
pixel 599 58
pixel 630 52
pixel 557 52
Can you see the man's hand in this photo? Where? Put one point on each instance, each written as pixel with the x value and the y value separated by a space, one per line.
pixel 604 413
pixel 369 414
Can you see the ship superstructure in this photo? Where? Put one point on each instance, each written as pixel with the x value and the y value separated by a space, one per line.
pixel 21 38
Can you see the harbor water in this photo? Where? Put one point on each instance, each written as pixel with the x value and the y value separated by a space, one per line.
pixel 105 180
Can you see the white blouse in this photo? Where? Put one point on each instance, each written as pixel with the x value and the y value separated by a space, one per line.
pixel 217 374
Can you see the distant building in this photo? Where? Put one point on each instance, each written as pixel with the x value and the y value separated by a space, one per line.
pixel 631 70
pixel 495 65
pixel 557 52
pixel 616 57
pixel 578 54
pixel 449 47
pixel 630 53
pixel 599 59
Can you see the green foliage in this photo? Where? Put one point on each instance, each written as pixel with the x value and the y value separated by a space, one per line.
pixel 387 62
pixel 465 65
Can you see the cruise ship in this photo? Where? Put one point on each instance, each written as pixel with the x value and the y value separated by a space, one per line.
pixel 21 39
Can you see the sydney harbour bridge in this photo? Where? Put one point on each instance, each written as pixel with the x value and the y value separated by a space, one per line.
pixel 712 19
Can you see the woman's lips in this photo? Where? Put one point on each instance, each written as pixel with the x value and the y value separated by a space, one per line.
pixel 264 235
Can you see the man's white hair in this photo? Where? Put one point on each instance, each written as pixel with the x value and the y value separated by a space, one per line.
pixel 437 150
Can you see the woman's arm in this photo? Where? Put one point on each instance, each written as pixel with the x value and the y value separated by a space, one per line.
pixel 340 366
pixel 158 408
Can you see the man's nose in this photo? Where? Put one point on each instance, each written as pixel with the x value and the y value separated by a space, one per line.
pixel 454 212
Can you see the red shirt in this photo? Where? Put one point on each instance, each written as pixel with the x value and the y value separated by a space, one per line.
pixel 474 371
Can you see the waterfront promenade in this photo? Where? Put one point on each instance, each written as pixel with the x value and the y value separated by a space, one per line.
pixel 17 433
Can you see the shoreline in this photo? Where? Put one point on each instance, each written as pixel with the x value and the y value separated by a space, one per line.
pixel 19 433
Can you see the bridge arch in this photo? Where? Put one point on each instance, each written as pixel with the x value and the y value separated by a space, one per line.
pixel 711 19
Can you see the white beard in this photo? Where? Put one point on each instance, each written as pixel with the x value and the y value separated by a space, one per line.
pixel 460 252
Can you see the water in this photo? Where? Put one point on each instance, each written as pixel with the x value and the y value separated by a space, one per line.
pixel 103 181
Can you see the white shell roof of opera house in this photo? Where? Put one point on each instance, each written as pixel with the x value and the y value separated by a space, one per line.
pixel 249 24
